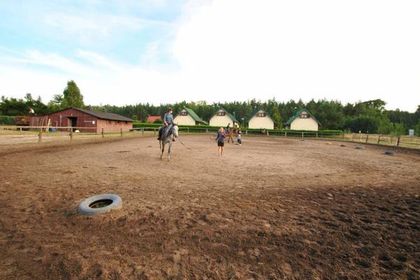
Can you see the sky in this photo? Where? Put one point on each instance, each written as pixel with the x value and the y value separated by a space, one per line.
pixel 123 52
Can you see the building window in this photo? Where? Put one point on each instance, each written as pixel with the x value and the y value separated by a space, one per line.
pixel 221 113
pixel 304 115
pixel 183 113
pixel 261 115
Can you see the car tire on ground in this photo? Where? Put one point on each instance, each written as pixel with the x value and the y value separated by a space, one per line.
pixel 109 202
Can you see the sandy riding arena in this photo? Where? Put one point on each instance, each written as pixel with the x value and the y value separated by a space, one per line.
pixel 272 208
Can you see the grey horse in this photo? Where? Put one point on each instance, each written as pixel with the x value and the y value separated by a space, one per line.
pixel 166 138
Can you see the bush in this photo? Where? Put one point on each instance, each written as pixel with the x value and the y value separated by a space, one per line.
pixel 365 124
pixel 140 124
pixel 399 129
pixel 7 120
pixel 207 128
pixel 417 129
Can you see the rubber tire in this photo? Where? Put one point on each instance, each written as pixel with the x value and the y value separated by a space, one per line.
pixel 84 208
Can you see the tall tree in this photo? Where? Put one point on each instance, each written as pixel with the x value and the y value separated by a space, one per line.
pixel 72 96
pixel 275 115
pixel 21 107
pixel 272 108
pixel 13 106
pixel 55 103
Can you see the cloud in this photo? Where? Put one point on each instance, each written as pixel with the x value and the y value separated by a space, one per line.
pixel 98 60
pixel 89 28
pixel 351 51
pixel 17 81
pixel 101 80
pixel 237 50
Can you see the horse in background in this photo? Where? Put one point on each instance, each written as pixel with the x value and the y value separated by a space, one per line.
pixel 231 133
pixel 168 134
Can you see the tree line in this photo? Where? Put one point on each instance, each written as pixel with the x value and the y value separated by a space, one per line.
pixel 367 117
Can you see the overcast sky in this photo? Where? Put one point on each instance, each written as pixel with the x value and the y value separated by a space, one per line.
pixel 164 51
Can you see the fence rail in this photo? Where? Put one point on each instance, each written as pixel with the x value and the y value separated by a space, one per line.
pixel 43 132
pixel 386 140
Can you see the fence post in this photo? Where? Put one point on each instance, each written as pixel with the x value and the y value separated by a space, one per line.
pixel 246 132
pixel 207 130
pixel 40 136
pixel 102 132
pixel 20 128
pixel 367 137
pixel 398 141
pixel 154 131
pixel 121 132
pixel 317 135
pixel 142 131
pixel 71 134
pixel 379 139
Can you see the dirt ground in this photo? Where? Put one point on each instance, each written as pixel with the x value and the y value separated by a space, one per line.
pixel 272 208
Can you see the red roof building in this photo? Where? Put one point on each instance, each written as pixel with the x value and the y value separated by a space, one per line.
pixel 84 120
pixel 152 119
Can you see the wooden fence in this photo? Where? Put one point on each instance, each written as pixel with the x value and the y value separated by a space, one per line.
pixel 386 140
pixel 42 133
pixel 71 133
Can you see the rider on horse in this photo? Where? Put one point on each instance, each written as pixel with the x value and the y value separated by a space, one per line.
pixel 168 122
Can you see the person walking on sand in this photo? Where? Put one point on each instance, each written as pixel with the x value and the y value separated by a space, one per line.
pixel 220 138
pixel 239 138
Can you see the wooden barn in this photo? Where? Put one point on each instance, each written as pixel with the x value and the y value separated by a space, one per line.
pixel 188 117
pixel 222 119
pixel 303 120
pixel 84 120
pixel 261 120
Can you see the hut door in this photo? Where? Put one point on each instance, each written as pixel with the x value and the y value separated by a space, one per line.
pixel 73 122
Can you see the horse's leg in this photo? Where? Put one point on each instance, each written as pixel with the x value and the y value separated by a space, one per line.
pixel 169 149
pixel 162 147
